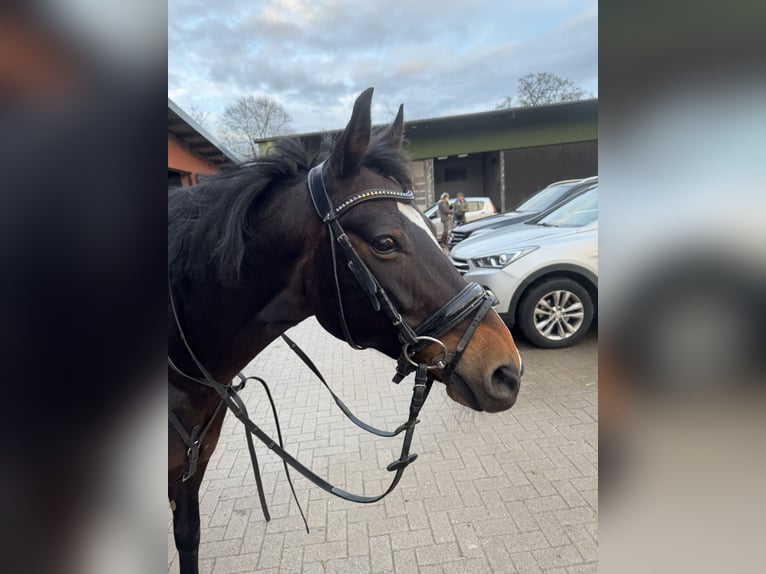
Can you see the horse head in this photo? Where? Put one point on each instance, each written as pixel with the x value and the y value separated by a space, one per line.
pixel 399 253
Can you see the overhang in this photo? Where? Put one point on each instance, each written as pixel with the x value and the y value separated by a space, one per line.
pixel 199 141
pixel 511 128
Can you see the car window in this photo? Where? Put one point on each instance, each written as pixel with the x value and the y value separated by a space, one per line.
pixel 547 197
pixel 433 211
pixel 475 205
pixel 580 210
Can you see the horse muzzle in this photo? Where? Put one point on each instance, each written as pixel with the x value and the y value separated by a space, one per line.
pixel 498 391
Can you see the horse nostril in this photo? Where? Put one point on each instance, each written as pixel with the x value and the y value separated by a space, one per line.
pixel 506 381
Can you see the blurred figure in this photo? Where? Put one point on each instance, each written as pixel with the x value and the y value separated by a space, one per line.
pixel 460 208
pixel 682 292
pixel 445 212
pixel 81 295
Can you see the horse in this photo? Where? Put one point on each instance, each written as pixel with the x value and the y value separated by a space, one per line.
pixel 332 234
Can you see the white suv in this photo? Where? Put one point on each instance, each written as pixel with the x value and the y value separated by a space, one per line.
pixel 477 207
pixel 544 272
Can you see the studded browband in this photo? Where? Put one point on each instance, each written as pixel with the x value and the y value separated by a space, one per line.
pixel 323 204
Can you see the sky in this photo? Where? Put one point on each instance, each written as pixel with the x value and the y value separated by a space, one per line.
pixel 314 57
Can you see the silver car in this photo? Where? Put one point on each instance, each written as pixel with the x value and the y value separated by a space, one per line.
pixel 544 272
pixel 543 200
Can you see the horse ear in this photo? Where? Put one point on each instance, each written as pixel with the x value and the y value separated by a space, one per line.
pixel 395 133
pixel 352 144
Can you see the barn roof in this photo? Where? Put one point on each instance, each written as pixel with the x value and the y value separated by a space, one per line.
pixel 183 127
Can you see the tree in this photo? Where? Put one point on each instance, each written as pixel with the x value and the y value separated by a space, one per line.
pixel 545 88
pixel 198 115
pixel 251 118
pixel 507 103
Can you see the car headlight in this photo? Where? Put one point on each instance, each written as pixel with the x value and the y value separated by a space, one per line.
pixel 501 260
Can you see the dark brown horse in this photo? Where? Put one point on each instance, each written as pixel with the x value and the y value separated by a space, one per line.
pixel 250 256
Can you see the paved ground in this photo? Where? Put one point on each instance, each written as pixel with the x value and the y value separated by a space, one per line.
pixel 508 492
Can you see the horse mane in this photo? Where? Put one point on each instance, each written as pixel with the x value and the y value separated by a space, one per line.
pixel 208 222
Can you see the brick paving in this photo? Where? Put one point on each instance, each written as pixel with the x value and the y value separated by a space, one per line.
pixel 508 492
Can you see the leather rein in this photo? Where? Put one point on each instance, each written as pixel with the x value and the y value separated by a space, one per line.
pixel 471 300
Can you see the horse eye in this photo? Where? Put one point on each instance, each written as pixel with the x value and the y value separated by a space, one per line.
pixel 383 244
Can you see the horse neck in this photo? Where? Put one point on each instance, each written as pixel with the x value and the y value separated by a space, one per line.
pixel 230 324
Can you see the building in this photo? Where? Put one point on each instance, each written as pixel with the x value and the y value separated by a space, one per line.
pixel 506 154
pixel 192 151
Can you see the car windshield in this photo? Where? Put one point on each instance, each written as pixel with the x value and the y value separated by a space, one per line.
pixel 547 197
pixel 580 210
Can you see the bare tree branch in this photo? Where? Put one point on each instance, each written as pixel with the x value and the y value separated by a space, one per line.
pixel 198 115
pixel 507 103
pixel 546 88
pixel 251 118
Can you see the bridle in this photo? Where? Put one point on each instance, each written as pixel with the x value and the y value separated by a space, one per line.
pixel 471 300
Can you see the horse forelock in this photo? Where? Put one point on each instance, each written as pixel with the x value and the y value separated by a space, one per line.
pixel 388 161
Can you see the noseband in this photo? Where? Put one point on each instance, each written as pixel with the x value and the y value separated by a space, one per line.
pixel 472 299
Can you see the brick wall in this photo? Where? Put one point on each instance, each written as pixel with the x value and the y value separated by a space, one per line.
pixel 423 183
pixel 183 160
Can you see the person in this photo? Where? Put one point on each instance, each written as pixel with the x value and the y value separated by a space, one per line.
pixel 445 211
pixel 459 209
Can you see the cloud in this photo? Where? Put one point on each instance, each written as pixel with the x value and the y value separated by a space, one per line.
pixel 439 58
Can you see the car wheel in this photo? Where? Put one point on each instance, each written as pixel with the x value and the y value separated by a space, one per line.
pixel 556 313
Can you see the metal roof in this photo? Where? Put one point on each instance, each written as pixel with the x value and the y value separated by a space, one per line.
pixel 197 138
pixel 490 116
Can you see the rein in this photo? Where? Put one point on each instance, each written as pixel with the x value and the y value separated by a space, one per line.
pixel 472 299
pixel 230 397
